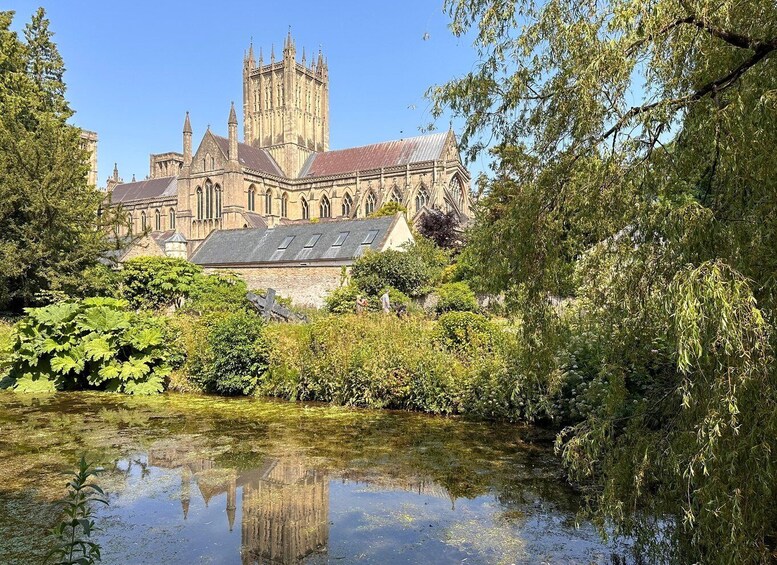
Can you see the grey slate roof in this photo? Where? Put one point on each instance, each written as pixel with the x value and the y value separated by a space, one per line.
pixel 165 187
pixel 176 238
pixel 254 220
pixel 387 154
pixel 266 245
pixel 251 157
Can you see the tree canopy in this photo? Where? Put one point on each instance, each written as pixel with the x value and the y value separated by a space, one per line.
pixel 50 226
pixel 634 183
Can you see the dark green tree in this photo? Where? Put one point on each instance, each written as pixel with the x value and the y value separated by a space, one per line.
pixel 51 226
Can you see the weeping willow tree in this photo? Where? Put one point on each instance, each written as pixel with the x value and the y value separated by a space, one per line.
pixel 636 177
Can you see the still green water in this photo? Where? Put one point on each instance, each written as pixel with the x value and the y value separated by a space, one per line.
pixel 197 479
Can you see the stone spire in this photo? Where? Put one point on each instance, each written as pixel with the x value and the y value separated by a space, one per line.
pixel 289 50
pixel 232 133
pixel 187 141
pixel 320 63
pixel 261 56
pixel 250 58
pixel 272 53
pixel 115 172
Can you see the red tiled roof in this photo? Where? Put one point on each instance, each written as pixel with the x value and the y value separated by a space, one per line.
pixel 165 187
pixel 251 157
pixel 387 154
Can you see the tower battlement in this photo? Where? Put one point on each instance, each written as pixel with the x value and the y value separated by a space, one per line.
pixel 286 106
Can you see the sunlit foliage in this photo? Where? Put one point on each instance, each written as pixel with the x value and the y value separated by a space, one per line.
pixel 631 220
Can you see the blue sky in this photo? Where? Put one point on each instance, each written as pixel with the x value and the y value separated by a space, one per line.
pixel 134 68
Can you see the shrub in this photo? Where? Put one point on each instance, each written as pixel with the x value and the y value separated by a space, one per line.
pixel 97 280
pixel 436 259
pixel 6 347
pixel 238 354
pixel 342 300
pixel 227 352
pixel 388 209
pixel 465 331
pixel 189 351
pixel 460 364
pixel 456 297
pixel 371 360
pixel 158 282
pixel 491 389
pixel 95 343
pixel 403 271
pixel 218 292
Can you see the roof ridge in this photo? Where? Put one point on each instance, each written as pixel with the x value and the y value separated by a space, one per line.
pixel 147 180
pixel 330 222
pixel 382 143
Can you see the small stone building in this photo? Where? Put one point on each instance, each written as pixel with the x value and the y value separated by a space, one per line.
pixel 302 261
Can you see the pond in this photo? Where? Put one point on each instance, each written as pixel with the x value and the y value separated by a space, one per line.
pixel 198 479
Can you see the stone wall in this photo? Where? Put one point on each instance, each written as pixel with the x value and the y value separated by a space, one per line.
pixel 144 247
pixel 306 286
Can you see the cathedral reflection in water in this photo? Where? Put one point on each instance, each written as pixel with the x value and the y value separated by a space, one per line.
pixel 285 506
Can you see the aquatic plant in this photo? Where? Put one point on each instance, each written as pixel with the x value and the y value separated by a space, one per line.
pixel 75 530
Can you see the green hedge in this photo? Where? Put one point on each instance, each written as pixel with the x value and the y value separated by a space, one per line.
pixel 370 360
pixel 460 364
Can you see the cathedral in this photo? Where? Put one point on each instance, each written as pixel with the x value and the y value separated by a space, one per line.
pixel 283 174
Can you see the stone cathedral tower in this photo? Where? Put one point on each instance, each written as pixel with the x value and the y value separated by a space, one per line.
pixel 286 106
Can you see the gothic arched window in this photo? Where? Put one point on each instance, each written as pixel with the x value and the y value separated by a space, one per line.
pixel 268 202
pixel 251 198
pixel 347 204
pixel 421 199
pixel 369 203
pixel 208 199
pixel 324 209
pixel 172 218
pixel 305 209
pixel 157 221
pixel 199 204
pixel 217 207
pixel 130 224
pixel 457 191
pixel 285 205
pixel 395 196
pixel 142 221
